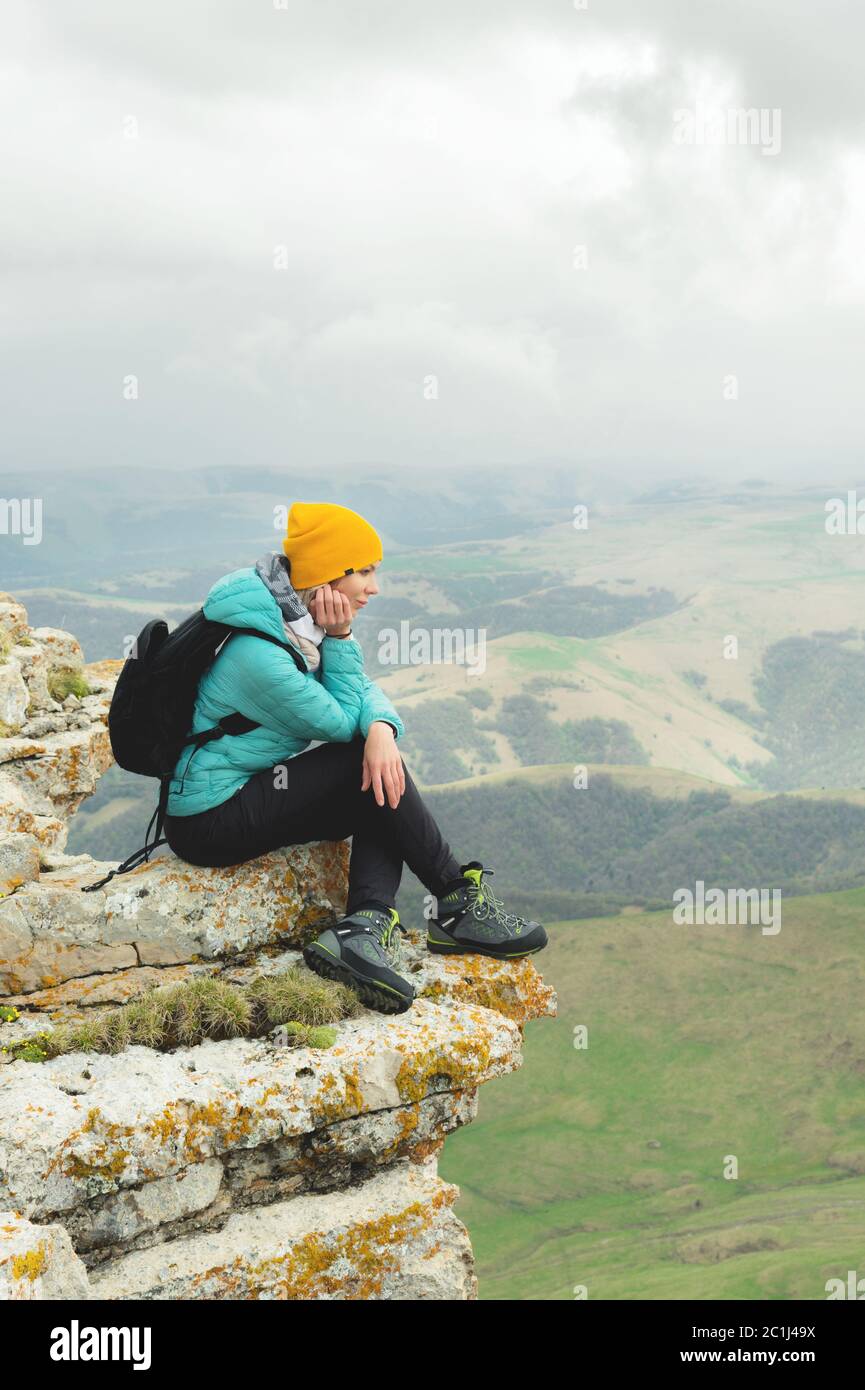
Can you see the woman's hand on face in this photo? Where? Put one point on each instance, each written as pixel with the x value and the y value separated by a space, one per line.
pixel 331 609
pixel 382 765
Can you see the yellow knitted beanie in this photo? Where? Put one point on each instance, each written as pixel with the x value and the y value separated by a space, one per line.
pixel 324 541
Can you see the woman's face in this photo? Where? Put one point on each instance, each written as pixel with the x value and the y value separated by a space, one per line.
pixel 358 587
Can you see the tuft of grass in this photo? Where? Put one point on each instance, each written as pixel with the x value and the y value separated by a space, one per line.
pixel 5 645
pixel 67 680
pixel 206 1008
pixel 184 1014
pixel 299 996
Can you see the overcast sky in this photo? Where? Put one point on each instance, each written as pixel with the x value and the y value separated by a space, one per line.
pixel 429 170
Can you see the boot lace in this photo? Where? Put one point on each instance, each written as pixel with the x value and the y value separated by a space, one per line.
pixel 391 942
pixel 486 905
pixel 386 931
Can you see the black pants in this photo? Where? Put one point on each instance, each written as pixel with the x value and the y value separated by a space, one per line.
pixel 322 800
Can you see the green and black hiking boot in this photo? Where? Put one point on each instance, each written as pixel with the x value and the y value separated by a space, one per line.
pixel 361 952
pixel 470 918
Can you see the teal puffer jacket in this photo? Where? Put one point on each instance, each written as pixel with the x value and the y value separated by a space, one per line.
pixel 332 704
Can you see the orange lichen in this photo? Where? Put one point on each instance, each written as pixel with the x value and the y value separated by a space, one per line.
pixel 408 1123
pixel 106 1162
pixel 419 1153
pixel 462 1062
pixel 348 1100
pixel 372 1250
pixel 29 1265
pixel 512 988
pixel 212 1127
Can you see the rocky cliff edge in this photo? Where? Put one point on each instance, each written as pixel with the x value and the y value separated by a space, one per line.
pixel 238 1169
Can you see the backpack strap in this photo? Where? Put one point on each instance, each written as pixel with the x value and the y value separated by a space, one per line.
pixel 141 856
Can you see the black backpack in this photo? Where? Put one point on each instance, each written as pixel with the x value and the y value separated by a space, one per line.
pixel 151 710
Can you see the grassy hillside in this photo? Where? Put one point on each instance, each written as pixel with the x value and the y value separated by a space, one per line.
pixel 722 585
pixel 661 781
pixel 639 834
pixel 604 1166
pixel 811 690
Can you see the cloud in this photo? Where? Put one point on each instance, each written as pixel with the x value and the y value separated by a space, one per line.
pixel 283 221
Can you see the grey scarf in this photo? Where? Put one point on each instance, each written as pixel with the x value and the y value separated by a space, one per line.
pixel 275 572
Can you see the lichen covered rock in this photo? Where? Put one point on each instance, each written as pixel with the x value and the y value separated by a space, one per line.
pixel 395 1237
pixel 38 1262
pixel 166 912
pixel 143 1115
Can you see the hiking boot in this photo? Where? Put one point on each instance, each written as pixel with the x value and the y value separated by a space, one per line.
pixel 472 919
pixel 361 952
